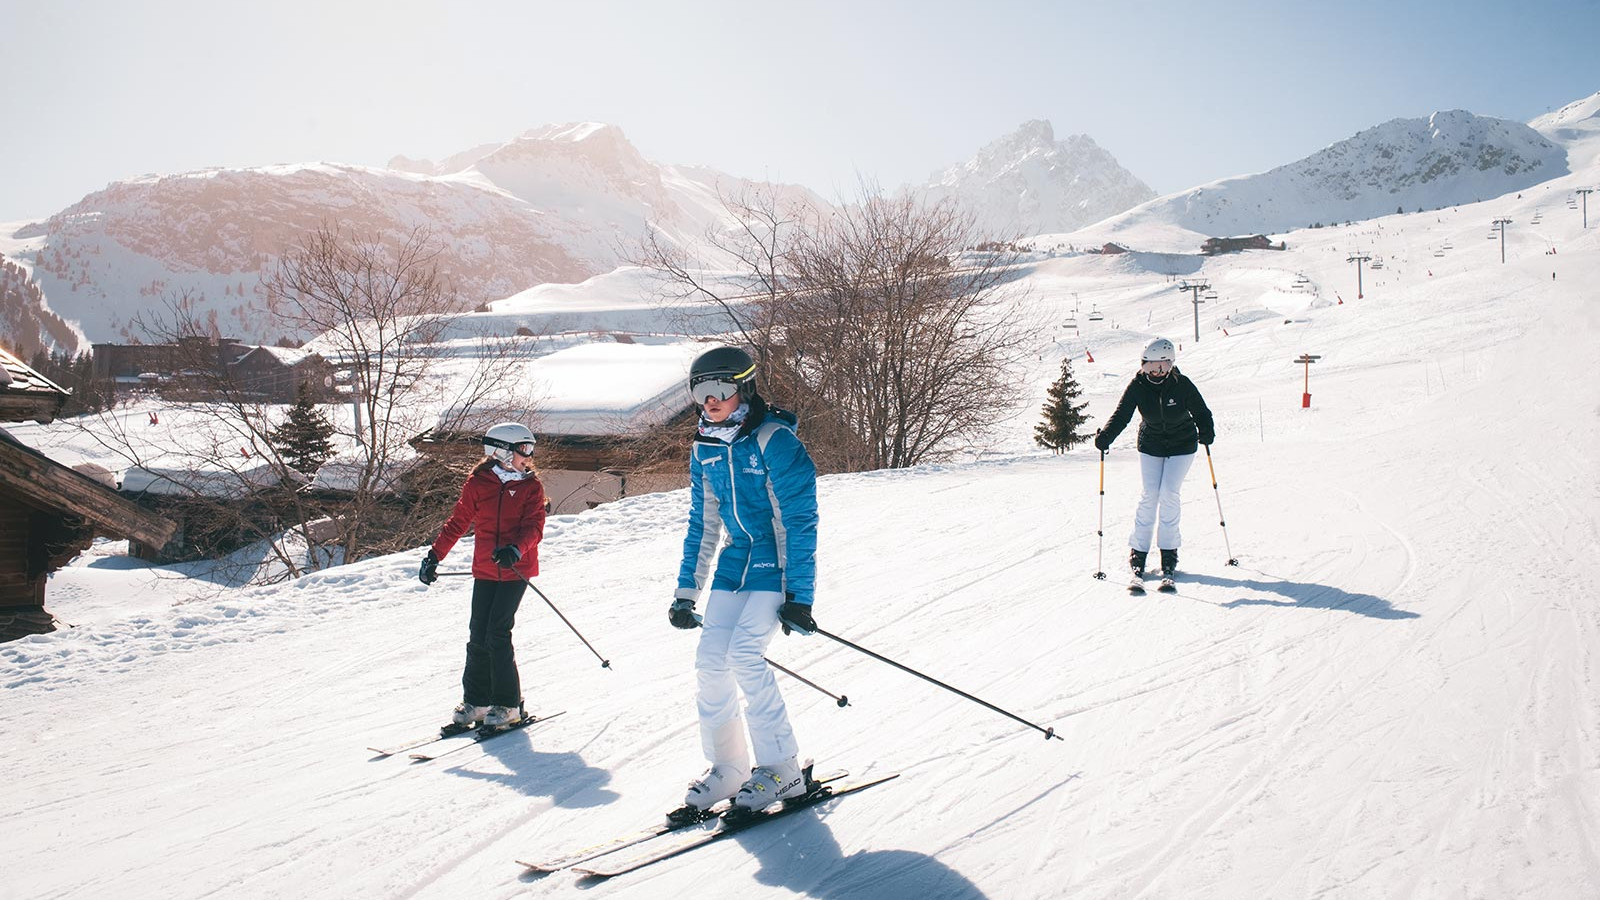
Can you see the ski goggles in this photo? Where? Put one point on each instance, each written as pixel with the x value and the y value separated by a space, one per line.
pixel 521 448
pixel 1156 366
pixel 721 385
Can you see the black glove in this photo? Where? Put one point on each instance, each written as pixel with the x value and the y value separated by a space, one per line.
pixel 1101 441
pixel 796 617
pixel 1206 437
pixel 507 556
pixel 681 615
pixel 429 573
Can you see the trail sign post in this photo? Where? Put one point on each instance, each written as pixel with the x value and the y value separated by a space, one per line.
pixel 1307 359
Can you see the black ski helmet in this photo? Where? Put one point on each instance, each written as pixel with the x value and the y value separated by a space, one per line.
pixel 722 371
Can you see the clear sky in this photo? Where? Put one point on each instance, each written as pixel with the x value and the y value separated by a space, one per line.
pixel 809 92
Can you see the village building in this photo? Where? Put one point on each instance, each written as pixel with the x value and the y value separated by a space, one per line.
pixel 278 374
pixel 1215 245
pixel 194 366
pixel 613 420
pixel 50 513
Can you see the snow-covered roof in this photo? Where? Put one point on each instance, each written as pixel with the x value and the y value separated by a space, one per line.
pixel 598 388
pixel 289 356
pixel 191 481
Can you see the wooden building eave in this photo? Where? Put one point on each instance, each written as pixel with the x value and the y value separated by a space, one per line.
pixel 47 484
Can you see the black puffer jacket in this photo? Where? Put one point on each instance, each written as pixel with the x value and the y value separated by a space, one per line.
pixel 1174 419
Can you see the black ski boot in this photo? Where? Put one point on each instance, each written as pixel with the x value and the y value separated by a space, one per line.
pixel 1169 571
pixel 1136 559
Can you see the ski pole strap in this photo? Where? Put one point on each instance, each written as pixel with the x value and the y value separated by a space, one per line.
pixel 1048 732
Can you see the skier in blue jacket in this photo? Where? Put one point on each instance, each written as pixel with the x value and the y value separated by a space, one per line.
pixel 752 539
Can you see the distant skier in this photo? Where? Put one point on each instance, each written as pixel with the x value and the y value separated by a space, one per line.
pixel 753 516
pixel 1173 421
pixel 503 503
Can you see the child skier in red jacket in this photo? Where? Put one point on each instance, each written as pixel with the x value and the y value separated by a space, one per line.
pixel 503 503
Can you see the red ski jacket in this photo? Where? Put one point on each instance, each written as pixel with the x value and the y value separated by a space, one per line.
pixel 499 513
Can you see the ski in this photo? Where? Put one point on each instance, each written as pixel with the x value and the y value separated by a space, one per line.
pixel 1136 585
pixel 1168 586
pixel 446 731
pixel 638 837
pixel 464 739
pixel 656 851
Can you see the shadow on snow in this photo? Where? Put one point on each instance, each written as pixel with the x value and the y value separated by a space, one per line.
pixel 1305 595
pixel 563 777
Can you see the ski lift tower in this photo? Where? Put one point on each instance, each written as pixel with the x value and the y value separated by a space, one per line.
pixel 1584 193
pixel 1196 287
pixel 1500 226
pixel 1358 259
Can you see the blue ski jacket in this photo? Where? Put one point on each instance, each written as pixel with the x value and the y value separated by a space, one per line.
pixel 752 511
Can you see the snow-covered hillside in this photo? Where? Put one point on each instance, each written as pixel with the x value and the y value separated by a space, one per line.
pixel 1027 182
pixel 1445 159
pixel 558 204
pixel 1396 694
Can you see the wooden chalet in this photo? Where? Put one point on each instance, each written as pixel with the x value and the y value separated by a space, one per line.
pixel 1215 245
pixel 278 374
pixel 49 513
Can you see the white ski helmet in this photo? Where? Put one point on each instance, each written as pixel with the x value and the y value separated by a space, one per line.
pixel 500 441
pixel 1159 349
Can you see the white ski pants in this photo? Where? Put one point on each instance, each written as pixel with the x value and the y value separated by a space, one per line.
pixel 1163 480
pixel 738 626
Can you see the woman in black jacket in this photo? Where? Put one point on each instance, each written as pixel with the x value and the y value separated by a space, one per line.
pixel 1174 420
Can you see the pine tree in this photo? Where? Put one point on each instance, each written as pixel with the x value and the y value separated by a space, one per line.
pixel 302 440
pixel 1062 419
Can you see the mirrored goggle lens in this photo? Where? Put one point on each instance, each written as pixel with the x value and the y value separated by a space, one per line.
pixel 1157 366
pixel 712 387
pixel 523 449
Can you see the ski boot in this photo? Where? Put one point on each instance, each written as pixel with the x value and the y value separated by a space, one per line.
pixel 771 784
pixel 504 718
pixel 719 783
pixel 1169 572
pixel 1136 559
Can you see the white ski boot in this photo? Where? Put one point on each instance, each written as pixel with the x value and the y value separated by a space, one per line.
pixel 502 716
pixel 769 784
pixel 467 715
pixel 719 783
pixel 730 769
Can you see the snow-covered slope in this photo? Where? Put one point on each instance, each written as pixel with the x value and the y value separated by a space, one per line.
pixel 1443 160
pixel 1396 694
pixel 1027 182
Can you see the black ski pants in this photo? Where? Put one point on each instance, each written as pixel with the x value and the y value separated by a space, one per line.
pixel 490 678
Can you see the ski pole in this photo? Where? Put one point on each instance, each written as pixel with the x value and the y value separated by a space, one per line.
pixel 1221 519
pixel 1048 732
pixel 1100 526
pixel 604 663
pixel 842 700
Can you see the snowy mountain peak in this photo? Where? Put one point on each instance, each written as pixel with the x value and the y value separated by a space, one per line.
pixel 1445 159
pixel 1578 121
pixel 573 132
pixel 1027 182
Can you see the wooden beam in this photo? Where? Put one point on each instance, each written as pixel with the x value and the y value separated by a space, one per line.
pixel 50 485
